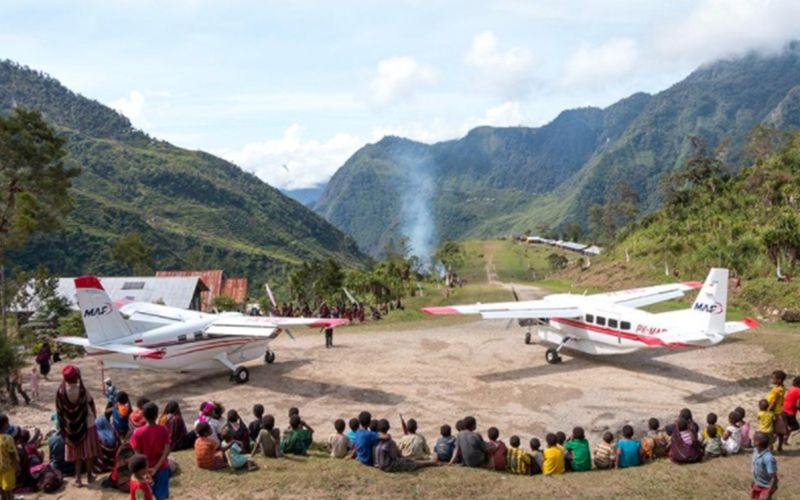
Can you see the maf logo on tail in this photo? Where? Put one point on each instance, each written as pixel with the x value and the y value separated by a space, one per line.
pixel 715 308
pixel 97 311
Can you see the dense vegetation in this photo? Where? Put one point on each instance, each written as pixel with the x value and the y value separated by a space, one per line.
pixel 502 180
pixel 193 209
pixel 749 222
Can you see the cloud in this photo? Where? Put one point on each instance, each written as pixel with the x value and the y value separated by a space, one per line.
pixel 510 71
pixel 725 28
pixel 594 65
pixel 398 78
pixel 132 107
pixel 308 162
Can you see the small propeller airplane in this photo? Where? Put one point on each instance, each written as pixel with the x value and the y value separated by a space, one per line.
pixel 126 334
pixel 611 323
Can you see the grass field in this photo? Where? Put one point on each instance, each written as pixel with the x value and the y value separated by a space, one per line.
pixel 318 476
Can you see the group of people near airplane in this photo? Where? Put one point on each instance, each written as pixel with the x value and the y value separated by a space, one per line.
pixel 133 442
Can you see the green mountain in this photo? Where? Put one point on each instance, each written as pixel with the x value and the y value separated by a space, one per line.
pixel 195 209
pixel 501 180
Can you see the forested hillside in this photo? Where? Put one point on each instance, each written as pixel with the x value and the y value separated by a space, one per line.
pixel 749 223
pixel 502 180
pixel 194 209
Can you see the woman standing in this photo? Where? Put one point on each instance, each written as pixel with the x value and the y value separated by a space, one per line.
pixel 43 359
pixel 77 415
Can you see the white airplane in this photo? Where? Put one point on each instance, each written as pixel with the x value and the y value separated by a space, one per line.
pixel 150 336
pixel 611 323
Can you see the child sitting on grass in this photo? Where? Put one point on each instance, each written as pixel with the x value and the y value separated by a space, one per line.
pixel 517 461
pixel 711 420
pixel 351 434
pixel 140 478
pixel 656 444
pixel 712 443
pixel 537 459
pixel 744 425
pixel 269 439
pixel 207 453
pixel 732 439
pixel 338 443
pixel 578 450
pixel 605 453
pixel 629 450
pixel 766 421
pixel 445 445
pixel 298 439
pixel 765 469
pixel 237 460
pixel 387 454
pixel 553 456
pixel 255 426
pixel 412 445
pixel 497 450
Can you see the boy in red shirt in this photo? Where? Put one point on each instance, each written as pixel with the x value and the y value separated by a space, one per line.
pixel 152 441
pixel 140 478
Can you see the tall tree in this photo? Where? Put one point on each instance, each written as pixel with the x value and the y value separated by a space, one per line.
pixel 134 253
pixel 34 182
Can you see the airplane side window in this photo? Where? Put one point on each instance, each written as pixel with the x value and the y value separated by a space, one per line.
pixel 198 335
pixel 626 325
pixel 590 318
pixel 181 338
pixel 612 323
pixel 601 321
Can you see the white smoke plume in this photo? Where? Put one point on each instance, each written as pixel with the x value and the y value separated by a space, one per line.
pixel 416 207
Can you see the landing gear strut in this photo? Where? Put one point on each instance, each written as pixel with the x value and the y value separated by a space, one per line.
pixel 269 357
pixel 528 338
pixel 552 356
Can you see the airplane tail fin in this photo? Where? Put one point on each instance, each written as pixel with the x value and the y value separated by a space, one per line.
pixel 102 321
pixel 712 302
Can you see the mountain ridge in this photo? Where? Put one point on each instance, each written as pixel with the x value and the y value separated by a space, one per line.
pixel 195 209
pixel 496 180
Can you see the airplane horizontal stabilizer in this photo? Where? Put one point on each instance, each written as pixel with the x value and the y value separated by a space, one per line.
pixel 111 347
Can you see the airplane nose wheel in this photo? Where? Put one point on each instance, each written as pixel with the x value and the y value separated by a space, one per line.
pixel 269 357
pixel 241 375
pixel 552 356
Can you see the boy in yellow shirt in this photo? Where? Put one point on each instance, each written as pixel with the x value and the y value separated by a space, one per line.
pixel 766 421
pixel 775 401
pixel 9 461
pixel 553 457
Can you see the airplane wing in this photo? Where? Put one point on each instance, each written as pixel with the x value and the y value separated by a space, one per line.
pixel 530 309
pixel 640 297
pixel 155 313
pixel 267 327
pixel 113 347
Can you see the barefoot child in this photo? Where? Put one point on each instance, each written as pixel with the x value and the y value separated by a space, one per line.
pixel 766 421
pixel 765 469
pixel 34 383
pixel 237 460
pixel 775 400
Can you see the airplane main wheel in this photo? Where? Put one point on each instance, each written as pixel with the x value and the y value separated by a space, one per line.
pixel 528 338
pixel 241 375
pixel 552 356
pixel 269 357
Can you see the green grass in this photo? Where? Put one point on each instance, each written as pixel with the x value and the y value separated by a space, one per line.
pixel 318 476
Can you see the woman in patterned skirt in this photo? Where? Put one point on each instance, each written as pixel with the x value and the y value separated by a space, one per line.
pixel 76 415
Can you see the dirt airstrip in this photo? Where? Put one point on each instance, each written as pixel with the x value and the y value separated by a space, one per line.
pixel 440 374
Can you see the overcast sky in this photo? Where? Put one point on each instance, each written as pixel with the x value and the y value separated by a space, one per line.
pixel 306 83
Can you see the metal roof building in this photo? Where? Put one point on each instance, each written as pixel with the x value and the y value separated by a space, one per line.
pixel 183 292
pixel 217 284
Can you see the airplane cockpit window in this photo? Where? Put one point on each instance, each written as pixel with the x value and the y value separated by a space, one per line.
pixel 590 318
pixel 625 325
pixel 612 323
pixel 601 321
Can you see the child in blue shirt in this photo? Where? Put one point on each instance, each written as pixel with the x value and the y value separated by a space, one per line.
pixel 629 450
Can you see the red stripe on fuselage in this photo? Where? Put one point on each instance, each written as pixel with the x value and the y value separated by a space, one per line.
pixel 651 341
